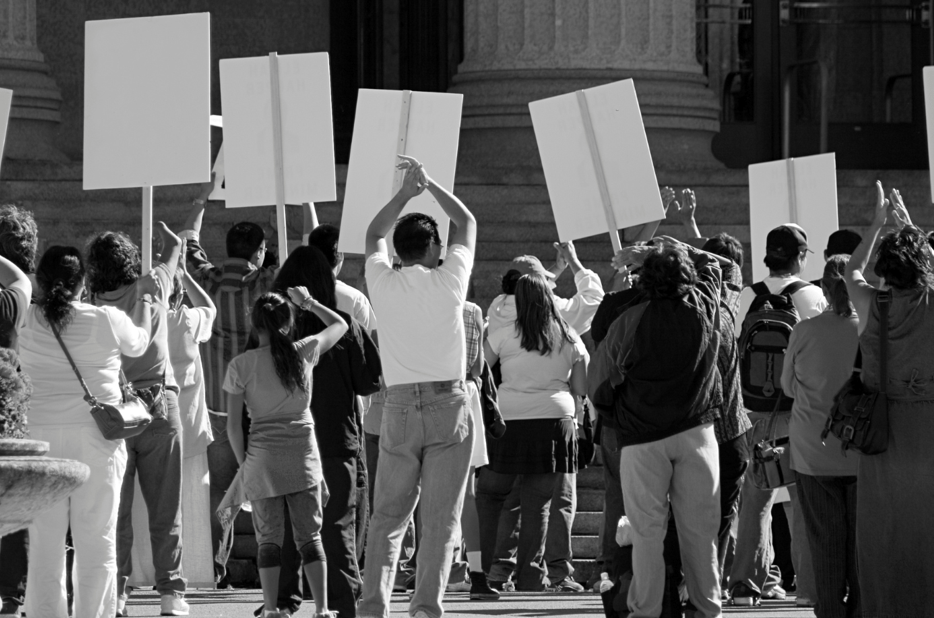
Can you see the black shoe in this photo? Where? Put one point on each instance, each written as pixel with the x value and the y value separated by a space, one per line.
pixel 743 596
pixel 479 588
pixel 224 584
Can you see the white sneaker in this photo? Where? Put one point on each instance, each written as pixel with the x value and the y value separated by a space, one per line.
pixel 174 606
pixel 121 605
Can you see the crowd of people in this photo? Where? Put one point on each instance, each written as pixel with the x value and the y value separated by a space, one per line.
pixel 439 450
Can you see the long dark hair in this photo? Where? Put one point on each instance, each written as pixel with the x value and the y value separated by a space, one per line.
pixel 273 314
pixel 309 267
pixel 60 275
pixel 835 286
pixel 539 325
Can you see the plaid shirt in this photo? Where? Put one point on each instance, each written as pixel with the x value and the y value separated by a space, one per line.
pixel 234 286
pixel 733 421
pixel 472 331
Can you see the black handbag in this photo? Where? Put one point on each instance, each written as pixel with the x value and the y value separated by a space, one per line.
pixel 116 421
pixel 859 417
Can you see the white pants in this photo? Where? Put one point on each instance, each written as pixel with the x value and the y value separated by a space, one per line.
pixel 685 470
pixel 91 511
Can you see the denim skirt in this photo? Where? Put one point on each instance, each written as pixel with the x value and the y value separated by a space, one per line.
pixel 539 446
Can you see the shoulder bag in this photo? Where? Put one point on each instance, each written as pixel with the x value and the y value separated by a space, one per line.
pixel 116 421
pixel 860 418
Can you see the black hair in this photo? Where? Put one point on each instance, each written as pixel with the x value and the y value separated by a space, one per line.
pixel 902 259
pixel 325 238
pixel 780 264
pixel 510 279
pixel 667 272
pixel 538 322
pixel 60 275
pixel 19 237
pixel 244 239
pixel 112 261
pixel 726 246
pixel 308 267
pixel 274 315
pixel 835 285
pixel 413 236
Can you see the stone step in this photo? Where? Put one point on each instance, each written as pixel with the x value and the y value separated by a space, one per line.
pixel 584 568
pixel 590 500
pixel 587 523
pixel 590 478
pixel 585 546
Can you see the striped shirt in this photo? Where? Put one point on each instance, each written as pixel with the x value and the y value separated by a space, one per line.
pixel 472 331
pixel 233 285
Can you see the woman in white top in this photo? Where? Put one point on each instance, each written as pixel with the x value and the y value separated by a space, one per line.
pixel 59 415
pixel 544 367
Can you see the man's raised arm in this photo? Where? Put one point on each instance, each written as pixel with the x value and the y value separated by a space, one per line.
pixel 413 184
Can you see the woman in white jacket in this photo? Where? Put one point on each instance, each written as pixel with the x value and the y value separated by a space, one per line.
pixel 95 337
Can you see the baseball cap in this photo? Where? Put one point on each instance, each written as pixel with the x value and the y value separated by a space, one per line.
pixel 786 241
pixel 843 242
pixel 531 265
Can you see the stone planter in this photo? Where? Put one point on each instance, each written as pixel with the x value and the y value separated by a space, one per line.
pixel 31 483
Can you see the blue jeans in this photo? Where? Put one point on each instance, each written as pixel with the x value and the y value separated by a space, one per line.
pixel 156 455
pixel 425 447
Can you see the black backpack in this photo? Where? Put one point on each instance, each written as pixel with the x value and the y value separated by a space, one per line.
pixel 762 344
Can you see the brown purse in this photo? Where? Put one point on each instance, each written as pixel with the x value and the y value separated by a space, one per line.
pixel 116 421
pixel 859 417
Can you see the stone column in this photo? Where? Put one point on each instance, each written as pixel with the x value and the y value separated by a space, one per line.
pixel 35 114
pixel 517 51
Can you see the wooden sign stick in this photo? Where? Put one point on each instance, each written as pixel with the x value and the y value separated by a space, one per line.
pixel 277 150
pixel 598 169
pixel 147 230
pixel 403 136
pixel 792 192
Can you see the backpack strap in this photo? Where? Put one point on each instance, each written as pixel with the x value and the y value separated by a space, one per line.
pixel 760 289
pixel 794 287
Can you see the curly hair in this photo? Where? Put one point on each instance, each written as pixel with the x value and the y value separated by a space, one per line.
pixel 540 326
pixel 19 237
pixel 112 261
pixel 726 246
pixel 414 234
pixel 902 259
pixel 667 272
pixel 60 275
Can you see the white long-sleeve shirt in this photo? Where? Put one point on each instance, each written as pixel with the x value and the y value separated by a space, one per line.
pixel 577 311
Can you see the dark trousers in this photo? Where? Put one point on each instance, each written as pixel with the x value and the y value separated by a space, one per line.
pixel 222 468
pixel 828 504
pixel 734 459
pixel 362 509
pixel 613 507
pixel 13 567
pixel 338 535
pixel 156 456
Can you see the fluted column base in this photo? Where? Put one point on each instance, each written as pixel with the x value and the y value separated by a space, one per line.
pixel 680 113
pixel 35 115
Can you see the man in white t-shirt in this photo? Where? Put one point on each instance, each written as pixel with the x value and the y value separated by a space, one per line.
pixel 752 577
pixel 426 438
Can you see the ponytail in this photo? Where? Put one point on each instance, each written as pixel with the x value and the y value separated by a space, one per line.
pixel 272 314
pixel 835 286
pixel 60 276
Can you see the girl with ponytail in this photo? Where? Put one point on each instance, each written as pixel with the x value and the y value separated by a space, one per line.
pixel 818 362
pixel 283 466
pixel 95 337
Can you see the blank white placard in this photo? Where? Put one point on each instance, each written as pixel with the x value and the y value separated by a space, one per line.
pixel 6 101
pixel 815 182
pixel 624 153
pixel 929 118
pixel 307 131
pixel 147 101
pixel 432 138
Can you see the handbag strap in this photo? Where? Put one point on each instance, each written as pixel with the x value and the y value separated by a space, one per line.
pixel 87 393
pixel 884 299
